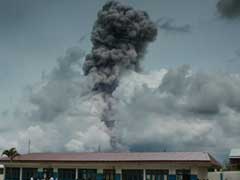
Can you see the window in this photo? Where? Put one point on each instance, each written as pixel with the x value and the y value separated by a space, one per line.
pixel 47 173
pixel 132 174
pixel 66 174
pixel 87 174
pixel 157 174
pixel 12 174
pixel 183 174
pixel 1 171
pixel 28 173
pixel 109 174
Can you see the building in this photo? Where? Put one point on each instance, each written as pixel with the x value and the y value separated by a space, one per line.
pixel 234 159
pixel 110 166
pixel 1 172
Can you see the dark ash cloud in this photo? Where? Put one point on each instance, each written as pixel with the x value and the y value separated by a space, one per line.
pixel 72 110
pixel 229 8
pixel 120 37
pixel 176 110
pixel 169 25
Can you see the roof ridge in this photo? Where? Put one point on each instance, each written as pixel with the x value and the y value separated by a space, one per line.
pixel 116 157
pixel 69 152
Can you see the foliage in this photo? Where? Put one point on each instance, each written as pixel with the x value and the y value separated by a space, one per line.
pixel 11 153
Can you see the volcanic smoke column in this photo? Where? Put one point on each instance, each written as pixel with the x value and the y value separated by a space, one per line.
pixel 120 36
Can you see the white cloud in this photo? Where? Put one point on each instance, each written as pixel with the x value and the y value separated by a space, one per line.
pixel 176 110
pixel 93 138
pixel 187 111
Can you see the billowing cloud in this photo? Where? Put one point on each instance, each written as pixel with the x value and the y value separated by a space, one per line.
pixel 92 139
pixel 174 109
pixel 52 96
pixel 187 111
pixel 58 112
pixel 229 8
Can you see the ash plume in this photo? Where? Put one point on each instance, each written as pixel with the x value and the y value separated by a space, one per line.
pixel 229 8
pixel 169 25
pixel 120 37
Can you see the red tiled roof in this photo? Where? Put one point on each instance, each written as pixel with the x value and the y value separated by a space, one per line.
pixel 117 157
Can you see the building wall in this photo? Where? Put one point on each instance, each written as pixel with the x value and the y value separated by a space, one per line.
pixel 234 160
pixel 226 175
pixel 1 172
pixel 197 170
pixel 234 164
pixel 202 173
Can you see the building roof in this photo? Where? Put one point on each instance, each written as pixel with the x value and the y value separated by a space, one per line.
pixel 234 153
pixel 117 157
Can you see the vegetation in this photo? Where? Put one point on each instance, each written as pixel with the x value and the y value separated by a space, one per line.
pixel 11 154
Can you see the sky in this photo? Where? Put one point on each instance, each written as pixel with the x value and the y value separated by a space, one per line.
pixel 197 46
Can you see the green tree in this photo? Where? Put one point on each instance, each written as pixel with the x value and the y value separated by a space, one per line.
pixel 11 154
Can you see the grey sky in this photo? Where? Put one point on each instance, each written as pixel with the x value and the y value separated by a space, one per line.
pixel 34 33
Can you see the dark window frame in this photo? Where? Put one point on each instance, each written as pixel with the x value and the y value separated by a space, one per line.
pixel 49 172
pixel 27 173
pixel 132 174
pixel 183 174
pixel 158 174
pixel 109 174
pixel 87 174
pixel 15 173
pixel 66 174
pixel 1 171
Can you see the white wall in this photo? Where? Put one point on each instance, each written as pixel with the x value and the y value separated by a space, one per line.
pixel 202 173
pixel 214 176
pixel 1 175
pixel 199 169
pixel 227 175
